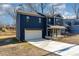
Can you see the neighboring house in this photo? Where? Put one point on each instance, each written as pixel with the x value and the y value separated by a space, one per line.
pixel 73 24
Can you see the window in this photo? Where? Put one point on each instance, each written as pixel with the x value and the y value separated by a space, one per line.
pixel 49 20
pixel 27 18
pixel 59 21
pixel 76 23
pixel 39 20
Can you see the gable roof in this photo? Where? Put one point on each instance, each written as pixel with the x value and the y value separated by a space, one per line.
pixel 28 13
pixel 37 14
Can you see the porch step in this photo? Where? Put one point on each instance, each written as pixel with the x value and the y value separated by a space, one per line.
pixel 48 37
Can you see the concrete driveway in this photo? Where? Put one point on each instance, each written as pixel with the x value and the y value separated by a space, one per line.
pixel 66 49
pixel 59 48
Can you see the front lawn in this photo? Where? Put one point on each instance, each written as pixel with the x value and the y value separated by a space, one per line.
pixel 13 47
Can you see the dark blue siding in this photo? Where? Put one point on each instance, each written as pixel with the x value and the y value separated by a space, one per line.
pixel 44 27
pixel 57 21
pixel 20 27
pixel 33 23
pixel 21 24
pixel 52 21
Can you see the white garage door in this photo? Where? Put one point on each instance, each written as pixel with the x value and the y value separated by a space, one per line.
pixel 33 34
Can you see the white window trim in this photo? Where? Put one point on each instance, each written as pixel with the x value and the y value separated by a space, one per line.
pixel 39 20
pixel 49 20
pixel 27 17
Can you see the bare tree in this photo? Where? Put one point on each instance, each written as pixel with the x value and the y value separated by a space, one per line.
pixel 11 10
pixel 54 9
pixel 37 7
pixel 75 7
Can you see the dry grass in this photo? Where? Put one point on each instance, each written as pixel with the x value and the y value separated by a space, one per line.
pixel 7 33
pixel 23 49
pixel 70 39
pixel 15 48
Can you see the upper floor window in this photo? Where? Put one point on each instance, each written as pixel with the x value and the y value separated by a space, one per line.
pixel 57 20
pixel 49 20
pixel 27 17
pixel 76 23
pixel 39 20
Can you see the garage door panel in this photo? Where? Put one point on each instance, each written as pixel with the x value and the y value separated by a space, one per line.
pixel 33 34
